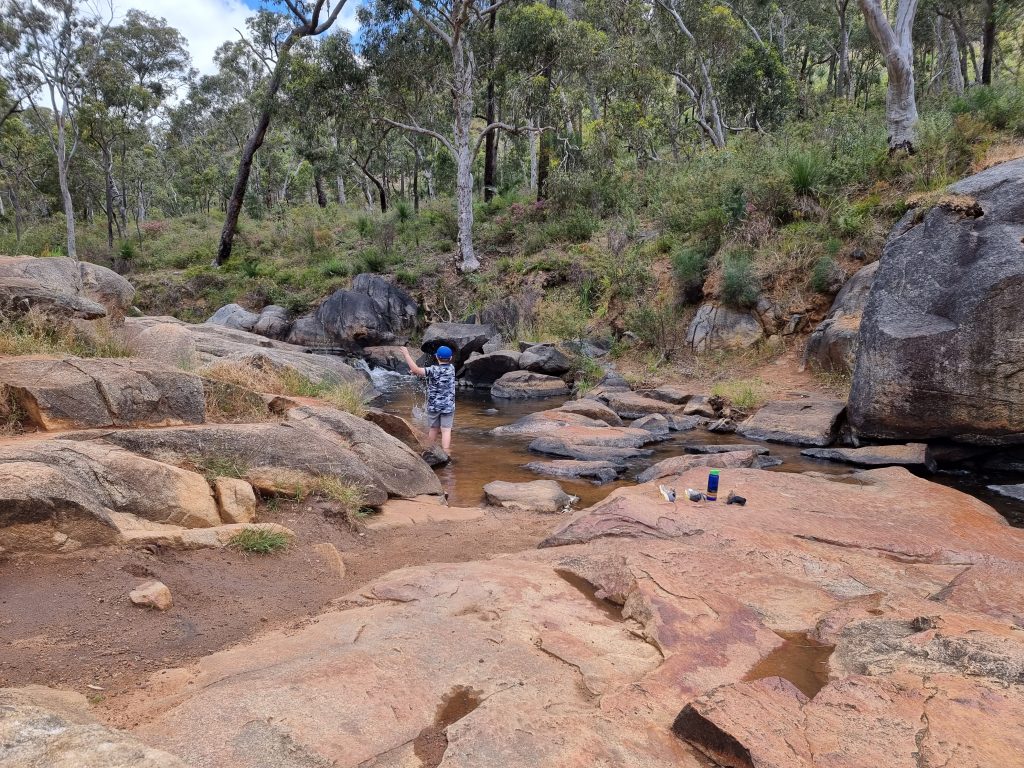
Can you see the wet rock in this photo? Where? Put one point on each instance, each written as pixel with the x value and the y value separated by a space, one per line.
pixel 677 465
pixel 630 405
pixel 700 405
pixel 722 426
pixel 593 409
pixel 235 317
pixel 235 499
pixel 598 472
pixel 48 727
pixel 558 446
pixel 670 393
pixel 1010 491
pixel 63 288
pixel 535 496
pixel 388 358
pixel 435 456
pixel 579 431
pixel 546 358
pixel 678 423
pixel 526 385
pixel 152 594
pixel 800 422
pixel 482 371
pixel 463 338
pixel 197 346
pixel 833 344
pixel 940 352
pixel 655 423
pixel 547 422
pixel 909 455
pixel 422 510
pixel 719 327
pixel 274 322
pixel 74 393
pixel 757 450
pixel 75 486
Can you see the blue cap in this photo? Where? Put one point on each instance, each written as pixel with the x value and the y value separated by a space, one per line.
pixel 444 353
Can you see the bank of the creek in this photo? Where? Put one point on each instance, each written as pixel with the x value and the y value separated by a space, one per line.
pixel 481 457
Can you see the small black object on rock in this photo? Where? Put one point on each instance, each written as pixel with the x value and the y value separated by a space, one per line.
pixel 734 499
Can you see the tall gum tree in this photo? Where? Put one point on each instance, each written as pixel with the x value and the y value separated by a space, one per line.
pixel 307 19
pixel 897 46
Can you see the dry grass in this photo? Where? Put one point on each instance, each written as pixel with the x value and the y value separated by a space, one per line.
pixel 349 497
pixel 37 334
pixel 12 417
pixel 279 380
pixel 233 404
pixel 742 393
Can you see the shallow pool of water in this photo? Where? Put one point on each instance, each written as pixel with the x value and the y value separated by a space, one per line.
pixel 479 457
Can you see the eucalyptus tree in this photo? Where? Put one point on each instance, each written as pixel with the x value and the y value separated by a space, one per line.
pixel 59 50
pixel 304 18
pixel 895 40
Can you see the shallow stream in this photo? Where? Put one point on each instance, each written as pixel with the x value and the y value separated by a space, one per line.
pixel 480 457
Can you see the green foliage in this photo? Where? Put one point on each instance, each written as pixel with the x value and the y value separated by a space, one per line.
pixel 690 266
pixel 371 260
pixel 575 226
pixel 586 372
pixel 403 211
pixel 742 393
pixel 806 172
pixel 1001 105
pixel 740 286
pixel 827 276
pixel 259 541
pixel 366 226
pixel 758 80
pixel 126 251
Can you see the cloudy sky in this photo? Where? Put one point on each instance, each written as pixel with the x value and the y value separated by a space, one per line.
pixel 208 23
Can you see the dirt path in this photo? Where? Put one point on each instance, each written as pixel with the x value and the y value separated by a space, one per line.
pixel 65 620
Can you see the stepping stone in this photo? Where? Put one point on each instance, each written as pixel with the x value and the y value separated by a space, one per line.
pixel 630 405
pixel 534 496
pixel 553 446
pixel 422 510
pixel 526 385
pixel 598 472
pixel 760 450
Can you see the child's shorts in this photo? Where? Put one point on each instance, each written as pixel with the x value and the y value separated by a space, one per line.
pixel 442 420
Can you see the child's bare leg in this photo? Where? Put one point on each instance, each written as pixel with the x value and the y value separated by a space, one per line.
pixel 446 440
pixel 432 436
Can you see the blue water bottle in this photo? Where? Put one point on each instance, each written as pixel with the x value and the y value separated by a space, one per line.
pixel 712 493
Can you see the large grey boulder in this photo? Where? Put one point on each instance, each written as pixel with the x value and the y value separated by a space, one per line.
pixel 833 344
pixel 274 322
pixel 48 727
pixel 546 358
pixel 234 316
pixel 483 370
pixel 908 455
pixel 62 287
pixel 719 327
pixel 534 496
pixel 941 350
pixel 75 393
pixel 463 338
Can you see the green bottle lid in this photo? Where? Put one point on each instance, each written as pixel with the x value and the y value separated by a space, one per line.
pixel 714 471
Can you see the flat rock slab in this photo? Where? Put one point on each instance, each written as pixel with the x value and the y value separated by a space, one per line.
pixel 573 428
pixel 544 422
pixel 909 455
pixel 760 450
pixel 534 496
pixel 630 405
pixel 47 727
pixel 798 422
pixel 677 465
pixel 74 393
pixel 423 510
pixel 598 472
pixel 1011 491
pixel 557 446
pixel 670 393
pixel 527 385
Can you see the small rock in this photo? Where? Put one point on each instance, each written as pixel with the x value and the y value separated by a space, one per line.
pixel 722 426
pixel 598 472
pixel 803 422
pixel 152 594
pixel 330 557
pixel 630 405
pixel 535 496
pixel 435 456
pixel 699 405
pixel 236 500
pixel 655 423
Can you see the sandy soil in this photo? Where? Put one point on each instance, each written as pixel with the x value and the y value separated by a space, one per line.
pixel 66 621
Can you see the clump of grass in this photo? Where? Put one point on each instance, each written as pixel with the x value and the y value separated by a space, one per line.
pixel 259 541
pixel 12 416
pixel 232 404
pixel 278 380
pixel 740 285
pixel 742 393
pixel 806 172
pixel 36 334
pixel 827 277
pixel 220 465
pixel 586 372
pixel 350 498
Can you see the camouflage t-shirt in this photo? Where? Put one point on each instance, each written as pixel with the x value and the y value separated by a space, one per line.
pixel 440 388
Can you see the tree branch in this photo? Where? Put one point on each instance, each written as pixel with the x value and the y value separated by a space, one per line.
pixel 425 131
pixel 514 129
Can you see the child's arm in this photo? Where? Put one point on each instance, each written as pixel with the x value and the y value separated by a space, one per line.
pixel 415 369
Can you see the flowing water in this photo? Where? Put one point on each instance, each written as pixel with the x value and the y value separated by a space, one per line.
pixel 480 457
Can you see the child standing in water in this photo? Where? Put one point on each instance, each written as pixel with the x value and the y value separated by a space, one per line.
pixel 440 394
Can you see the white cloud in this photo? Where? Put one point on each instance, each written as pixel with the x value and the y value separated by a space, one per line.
pixel 206 24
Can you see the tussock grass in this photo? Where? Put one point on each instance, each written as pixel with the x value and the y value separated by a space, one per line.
pixel 277 380
pixel 258 541
pixel 36 334
pixel 350 498
pixel 742 393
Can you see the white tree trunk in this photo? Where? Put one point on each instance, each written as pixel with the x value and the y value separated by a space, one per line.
pixel 897 47
pixel 65 190
pixel 534 157
pixel 462 94
pixel 340 184
pixel 844 80
pixel 949 55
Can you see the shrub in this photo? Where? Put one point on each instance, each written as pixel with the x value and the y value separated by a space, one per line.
pixel 586 372
pixel 576 226
pixel 403 211
pixel 827 277
pixel 230 403
pixel 126 251
pixel 806 172
pixel 335 267
pixel 689 265
pixel 740 285
pixel 365 225
pixel 371 260
pixel 278 380
pixel 259 541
